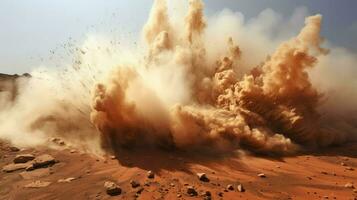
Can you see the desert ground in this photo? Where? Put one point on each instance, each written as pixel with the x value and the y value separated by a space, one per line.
pixel 329 174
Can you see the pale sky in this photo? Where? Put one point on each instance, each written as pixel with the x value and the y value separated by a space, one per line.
pixel 30 29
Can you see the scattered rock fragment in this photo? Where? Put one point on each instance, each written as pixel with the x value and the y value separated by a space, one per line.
pixel 220 194
pixel 23 158
pixel 66 180
pixel 191 191
pixel 202 177
pixel 150 174
pixel 240 188
pixel 139 191
pixel 261 175
pixel 349 185
pixel 38 184
pixel 179 196
pixel 112 157
pixel 112 189
pixel 58 141
pixel 343 164
pixel 14 167
pixel 14 149
pixel 230 187
pixel 134 184
pixel 349 168
pixel 207 195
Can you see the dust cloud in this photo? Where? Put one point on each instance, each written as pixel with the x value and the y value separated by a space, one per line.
pixel 213 83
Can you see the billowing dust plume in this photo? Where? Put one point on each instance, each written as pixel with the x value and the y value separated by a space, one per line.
pixel 191 92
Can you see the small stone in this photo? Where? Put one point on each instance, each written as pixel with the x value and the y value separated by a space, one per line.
pixel 207 195
pixel 230 187
pixel 179 196
pixel 14 167
pixel 112 157
pixel 220 194
pixel 73 151
pixel 324 173
pixel 343 164
pixel 150 174
pixel 349 168
pixel 140 190
pixel 38 184
pixel 41 161
pixel 134 184
pixel 349 185
pixel 112 189
pixel 191 191
pixel 202 177
pixel 325 197
pixel 23 158
pixel 66 180
pixel 261 175
pixel 172 185
pixel 14 149
pixel 240 188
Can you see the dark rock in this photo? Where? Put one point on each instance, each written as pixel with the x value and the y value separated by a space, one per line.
pixel 230 187
pixel 41 161
pixel 112 189
pixel 151 174
pixel 203 177
pixel 191 191
pixel 14 149
pixel 207 195
pixel 23 158
pixel 134 184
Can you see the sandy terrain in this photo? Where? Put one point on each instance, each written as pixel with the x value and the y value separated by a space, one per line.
pixel 321 175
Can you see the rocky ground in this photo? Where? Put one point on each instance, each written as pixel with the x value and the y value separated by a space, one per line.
pixel 151 174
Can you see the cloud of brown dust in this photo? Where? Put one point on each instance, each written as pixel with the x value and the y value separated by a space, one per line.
pixel 193 87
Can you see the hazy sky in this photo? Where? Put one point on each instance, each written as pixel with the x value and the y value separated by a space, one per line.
pixel 30 29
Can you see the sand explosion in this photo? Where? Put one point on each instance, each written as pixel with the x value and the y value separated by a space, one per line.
pixel 181 95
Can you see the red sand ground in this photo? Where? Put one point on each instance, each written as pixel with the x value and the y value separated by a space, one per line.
pixel 311 176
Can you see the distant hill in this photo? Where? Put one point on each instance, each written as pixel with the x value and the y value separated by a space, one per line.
pixel 8 83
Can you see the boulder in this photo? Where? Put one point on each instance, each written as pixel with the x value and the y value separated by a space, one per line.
pixel 41 161
pixel 23 158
